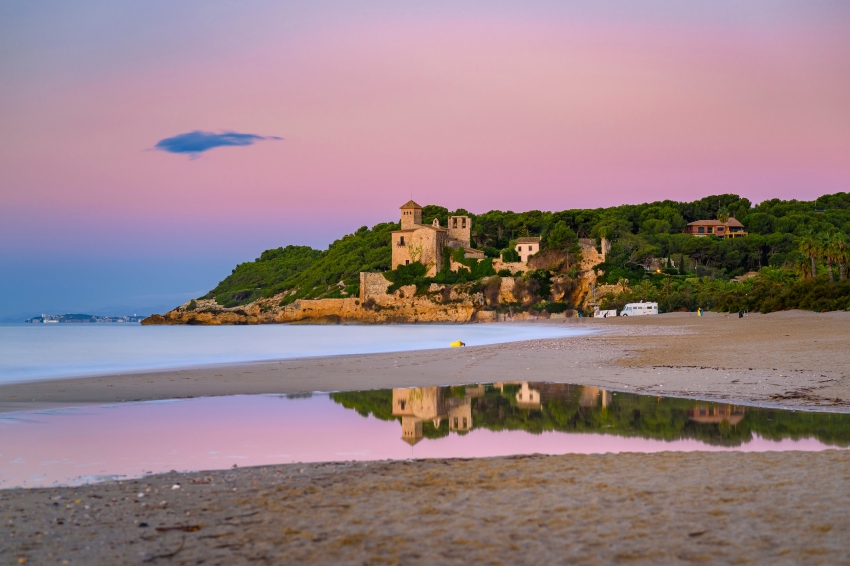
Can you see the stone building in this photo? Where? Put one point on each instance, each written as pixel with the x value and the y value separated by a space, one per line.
pixel 424 243
pixel 526 247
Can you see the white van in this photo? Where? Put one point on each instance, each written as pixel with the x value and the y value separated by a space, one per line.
pixel 639 309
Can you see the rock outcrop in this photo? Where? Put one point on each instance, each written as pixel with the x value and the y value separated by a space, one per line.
pixel 375 305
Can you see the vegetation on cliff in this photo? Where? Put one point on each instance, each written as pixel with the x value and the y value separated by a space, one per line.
pixel 799 249
pixel 307 273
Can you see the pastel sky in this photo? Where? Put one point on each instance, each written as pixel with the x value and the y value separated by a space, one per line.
pixel 482 105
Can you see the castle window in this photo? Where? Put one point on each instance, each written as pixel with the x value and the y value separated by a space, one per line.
pixel 454 222
pixel 401 241
pixel 455 422
pixel 407 262
pixel 529 248
pixel 463 222
pixel 464 422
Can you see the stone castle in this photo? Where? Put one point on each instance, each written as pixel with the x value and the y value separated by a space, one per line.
pixel 375 304
pixel 425 243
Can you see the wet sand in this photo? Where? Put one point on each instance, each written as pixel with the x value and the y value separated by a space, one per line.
pixel 670 508
pixel 792 359
pixel 784 508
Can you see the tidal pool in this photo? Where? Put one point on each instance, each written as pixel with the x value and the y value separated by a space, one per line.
pixel 79 445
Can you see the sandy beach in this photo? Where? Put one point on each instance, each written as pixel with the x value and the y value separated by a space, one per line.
pixel 729 508
pixel 789 359
pixel 640 508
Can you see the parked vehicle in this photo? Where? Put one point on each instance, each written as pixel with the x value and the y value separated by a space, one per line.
pixel 604 314
pixel 639 309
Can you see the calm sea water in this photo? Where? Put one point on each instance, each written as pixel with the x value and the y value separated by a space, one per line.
pixel 42 351
pixel 79 445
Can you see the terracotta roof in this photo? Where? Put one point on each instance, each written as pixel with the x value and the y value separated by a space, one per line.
pixel 410 204
pixel 528 240
pixel 731 222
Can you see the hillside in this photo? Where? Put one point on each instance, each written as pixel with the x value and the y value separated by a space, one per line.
pixel 789 242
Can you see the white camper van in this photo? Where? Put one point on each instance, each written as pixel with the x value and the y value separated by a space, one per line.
pixel 639 309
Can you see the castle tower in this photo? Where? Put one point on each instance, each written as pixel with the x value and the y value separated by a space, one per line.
pixel 458 229
pixel 411 215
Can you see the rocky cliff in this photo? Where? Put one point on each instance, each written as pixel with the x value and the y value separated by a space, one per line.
pixel 374 306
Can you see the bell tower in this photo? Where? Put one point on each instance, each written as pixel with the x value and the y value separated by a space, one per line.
pixel 411 215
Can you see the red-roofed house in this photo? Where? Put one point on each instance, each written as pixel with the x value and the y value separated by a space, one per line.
pixel 729 229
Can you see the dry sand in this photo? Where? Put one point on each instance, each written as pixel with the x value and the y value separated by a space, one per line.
pixel 671 508
pixel 784 508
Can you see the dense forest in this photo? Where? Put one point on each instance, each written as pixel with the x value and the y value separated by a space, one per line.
pixel 564 408
pixel 798 248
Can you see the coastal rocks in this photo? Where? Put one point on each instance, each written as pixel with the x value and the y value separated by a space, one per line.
pixel 374 306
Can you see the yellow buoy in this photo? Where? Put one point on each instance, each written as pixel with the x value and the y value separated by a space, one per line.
pixel 457 344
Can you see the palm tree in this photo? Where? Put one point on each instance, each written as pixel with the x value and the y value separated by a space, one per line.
pixel 841 243
pixel 647 289
pixel 804 269
pixel 810 247
pixel 827 250
pixel 723 214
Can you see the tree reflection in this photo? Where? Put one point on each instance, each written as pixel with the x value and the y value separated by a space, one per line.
pixel 536 407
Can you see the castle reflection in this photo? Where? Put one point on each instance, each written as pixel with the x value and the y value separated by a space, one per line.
pixel 421 404
pixel 433 412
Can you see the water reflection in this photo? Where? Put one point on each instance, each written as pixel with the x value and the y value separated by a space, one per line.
pixel 716 414
pixel 499 419
pixel 536 407
pixel 420 404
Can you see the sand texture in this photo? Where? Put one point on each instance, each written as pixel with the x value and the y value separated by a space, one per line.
pixel 789 359
pixel 670 508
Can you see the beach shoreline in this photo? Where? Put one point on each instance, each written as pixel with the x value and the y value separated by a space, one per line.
pixel 793 360
pixel 645 508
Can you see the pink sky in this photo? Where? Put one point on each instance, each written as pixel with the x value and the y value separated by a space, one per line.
pixel 482 113
pixel 465 104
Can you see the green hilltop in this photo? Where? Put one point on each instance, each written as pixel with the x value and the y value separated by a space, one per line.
pixel 798 248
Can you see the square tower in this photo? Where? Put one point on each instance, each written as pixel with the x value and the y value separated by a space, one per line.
pixel 411 215
pixel 459 227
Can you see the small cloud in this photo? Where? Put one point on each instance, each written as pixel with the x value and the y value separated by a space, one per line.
pixel 195 143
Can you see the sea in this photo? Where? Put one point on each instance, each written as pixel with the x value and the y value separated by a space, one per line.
pixel 49 351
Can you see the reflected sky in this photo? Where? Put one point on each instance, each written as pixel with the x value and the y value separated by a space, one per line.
pixel 73 446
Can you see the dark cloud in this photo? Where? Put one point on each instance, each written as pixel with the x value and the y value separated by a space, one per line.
pixel 197 142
